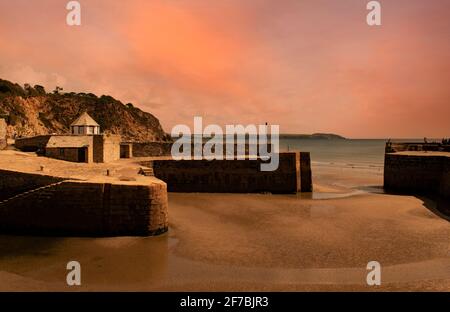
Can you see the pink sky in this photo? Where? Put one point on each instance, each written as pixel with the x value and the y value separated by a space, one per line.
pixel 309 66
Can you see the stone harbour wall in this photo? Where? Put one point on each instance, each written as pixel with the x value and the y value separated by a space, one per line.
pixel 306 184
pixel 411 173
pixel 148 149
pixel 13 183
pixel 155 149
pixel 444 200
pixel 32 144
pixel 428 175
pixel 392 147
pixel 231 176
pixel 83 208
pixel 445 180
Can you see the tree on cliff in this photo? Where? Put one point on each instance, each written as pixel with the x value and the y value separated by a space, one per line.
pixel 57 90
pixel 40 90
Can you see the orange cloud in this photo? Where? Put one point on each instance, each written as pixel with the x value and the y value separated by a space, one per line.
pixel 169 40
pixel 306 65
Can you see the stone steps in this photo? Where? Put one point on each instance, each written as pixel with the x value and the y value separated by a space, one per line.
pixel 148 172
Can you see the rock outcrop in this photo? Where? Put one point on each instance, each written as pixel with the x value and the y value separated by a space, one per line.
pixel 32 111
pixel 2 133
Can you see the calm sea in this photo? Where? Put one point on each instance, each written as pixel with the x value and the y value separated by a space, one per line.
pixel 357 152
pixel 349 152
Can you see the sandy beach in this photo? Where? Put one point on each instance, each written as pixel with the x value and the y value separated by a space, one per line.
pixel 246 242
pixel 173 146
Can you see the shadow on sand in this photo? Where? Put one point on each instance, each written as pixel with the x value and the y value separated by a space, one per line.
pixel 14 246
pixel 438 205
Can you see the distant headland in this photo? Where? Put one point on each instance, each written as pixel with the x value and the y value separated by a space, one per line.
pixel 291 136
pixel 314 136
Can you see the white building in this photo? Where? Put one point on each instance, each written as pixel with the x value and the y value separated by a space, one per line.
pixel 85 125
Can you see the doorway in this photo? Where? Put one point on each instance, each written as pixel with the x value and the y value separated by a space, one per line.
pixel 82 154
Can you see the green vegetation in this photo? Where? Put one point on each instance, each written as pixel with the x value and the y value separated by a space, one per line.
pixel 9 88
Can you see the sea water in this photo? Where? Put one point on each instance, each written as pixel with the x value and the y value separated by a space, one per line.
pixel 348 152
pixel 339 152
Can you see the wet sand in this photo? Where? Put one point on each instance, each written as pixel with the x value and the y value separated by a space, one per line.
pixel 255 242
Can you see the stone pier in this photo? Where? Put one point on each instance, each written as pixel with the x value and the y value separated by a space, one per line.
pixel 54 206
pixel 235 176
pixel 419 169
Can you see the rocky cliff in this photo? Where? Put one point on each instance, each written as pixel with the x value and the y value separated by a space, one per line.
pixel 32 111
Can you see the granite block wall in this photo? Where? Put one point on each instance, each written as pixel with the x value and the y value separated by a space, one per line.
pixel 32 144
pixel 84 208
pixel 408 173
pixel 151 149
pixel 13 183
pixel 306 184
pixel 229 176
pixel 428 175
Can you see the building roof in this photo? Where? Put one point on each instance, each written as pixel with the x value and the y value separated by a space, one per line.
pixel 74 141
pixel 85 120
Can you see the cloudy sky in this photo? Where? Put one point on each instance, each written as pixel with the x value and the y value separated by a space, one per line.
pixel 309 66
